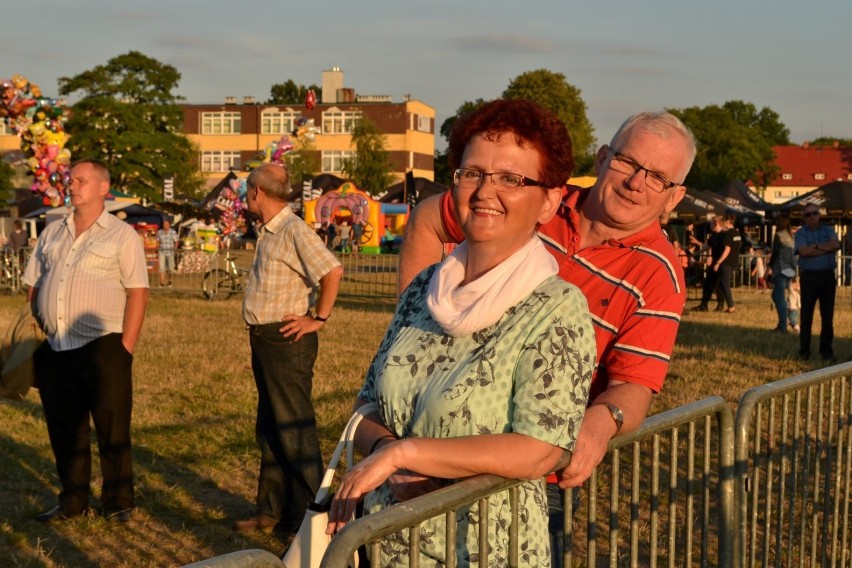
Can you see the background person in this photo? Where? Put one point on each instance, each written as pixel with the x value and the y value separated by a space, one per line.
pixel 794 303
pixel 495 320
pixel 167 240
pixel 17 239
pixel 715 247
pixel 782 268
pixel 89 289
pixel 289 263
pixel 729 260
pixel 817 245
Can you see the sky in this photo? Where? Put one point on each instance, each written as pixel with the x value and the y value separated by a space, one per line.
pixel 624 56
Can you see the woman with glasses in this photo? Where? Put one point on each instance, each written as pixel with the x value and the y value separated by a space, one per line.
pixel 486 365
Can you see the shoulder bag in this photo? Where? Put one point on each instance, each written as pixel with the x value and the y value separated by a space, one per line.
pixel 310 542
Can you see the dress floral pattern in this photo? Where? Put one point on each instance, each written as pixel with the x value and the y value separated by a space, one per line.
pixel 529 373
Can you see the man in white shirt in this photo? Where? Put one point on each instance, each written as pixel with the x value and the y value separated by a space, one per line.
pixel 88 288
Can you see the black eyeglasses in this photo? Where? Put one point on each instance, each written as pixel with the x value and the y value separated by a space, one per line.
pixel 654 180
pixel 810 213
pixel 469 178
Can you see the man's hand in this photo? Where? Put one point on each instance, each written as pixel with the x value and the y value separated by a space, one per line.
pixel 595 432
pixel 407 485
pixel 300 325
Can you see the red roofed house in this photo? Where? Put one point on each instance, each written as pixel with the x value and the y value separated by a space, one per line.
pixel 805 168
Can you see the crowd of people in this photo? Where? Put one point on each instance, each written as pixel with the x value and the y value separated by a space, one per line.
pixel 550 327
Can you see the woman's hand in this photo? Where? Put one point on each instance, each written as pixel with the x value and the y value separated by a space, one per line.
pixel 360 480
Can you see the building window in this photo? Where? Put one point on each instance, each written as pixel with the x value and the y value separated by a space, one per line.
pixel 424 124
pixel 220 160
pixel 786 176
pixel 333 160
pixel 221 123
pixel 277 122
pixel 339 121
pixel 819 176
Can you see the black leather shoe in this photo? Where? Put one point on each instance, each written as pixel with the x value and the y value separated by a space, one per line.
pixel 56 514
pixel 118 516
pixel 699 308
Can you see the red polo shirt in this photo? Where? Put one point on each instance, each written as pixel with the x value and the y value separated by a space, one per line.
pixel 635 289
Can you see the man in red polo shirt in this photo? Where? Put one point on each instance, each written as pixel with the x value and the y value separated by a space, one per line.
pixel 608 242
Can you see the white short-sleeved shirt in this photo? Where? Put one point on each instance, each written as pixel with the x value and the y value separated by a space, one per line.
pixel 83 281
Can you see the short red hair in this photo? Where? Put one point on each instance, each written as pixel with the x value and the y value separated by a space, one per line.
pixel 530 123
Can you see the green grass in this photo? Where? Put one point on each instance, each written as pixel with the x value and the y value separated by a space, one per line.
pixel 193 424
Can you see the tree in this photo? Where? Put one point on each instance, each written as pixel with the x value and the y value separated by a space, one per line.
pixel 734 143
pixel 371 169
pixel 289 93
pixel 303 160
pixel 129 119
pixel 466 107
pixel 7 176
pixel 830 141
pixel 552 91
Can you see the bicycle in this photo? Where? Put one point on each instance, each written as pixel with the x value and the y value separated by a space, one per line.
pixel 10 272
pixel 222 283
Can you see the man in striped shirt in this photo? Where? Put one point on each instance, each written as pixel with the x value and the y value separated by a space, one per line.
pixel 608 241
pixel 89 288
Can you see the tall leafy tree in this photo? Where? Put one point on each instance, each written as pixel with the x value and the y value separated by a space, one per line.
pixel 464 108
pixel 7 176
pixel 304 160
pixel 128 118
pixel 735 142
pixel 290 93
pixel 830 141
pixel 552 91
pixel 371 169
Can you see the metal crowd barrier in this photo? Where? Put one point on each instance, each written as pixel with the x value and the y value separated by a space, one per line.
pixel 690 487
pixel 369 275
pixel 364 275
pixel 12 265
pixel 794 471
pixel 664 497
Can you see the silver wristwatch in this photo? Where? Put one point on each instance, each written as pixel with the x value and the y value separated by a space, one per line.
pixel 615 413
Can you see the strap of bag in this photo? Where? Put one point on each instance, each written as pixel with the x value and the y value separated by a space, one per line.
pixel 347 442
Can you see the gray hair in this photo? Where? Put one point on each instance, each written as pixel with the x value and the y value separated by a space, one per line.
pixel 274 179
pixel 100 168
pixel 662 124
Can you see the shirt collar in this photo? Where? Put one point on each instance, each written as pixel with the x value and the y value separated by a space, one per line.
pixel 276 223
pixel 574 199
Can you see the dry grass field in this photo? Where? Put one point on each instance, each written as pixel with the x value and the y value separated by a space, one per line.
pixel 194 450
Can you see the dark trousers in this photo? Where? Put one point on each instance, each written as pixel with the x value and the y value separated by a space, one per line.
pixel 711 279
pixel 291 466
pixel 94 380
pixel 726 273
pixel 817 286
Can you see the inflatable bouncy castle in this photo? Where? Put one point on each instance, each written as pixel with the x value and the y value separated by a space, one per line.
pixel 352 205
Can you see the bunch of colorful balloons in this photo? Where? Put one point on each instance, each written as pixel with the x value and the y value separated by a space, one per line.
pixel 232 203
pixel 39 123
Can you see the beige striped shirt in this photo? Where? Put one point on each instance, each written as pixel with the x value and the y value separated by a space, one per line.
pixel 288 265
pixel 83 281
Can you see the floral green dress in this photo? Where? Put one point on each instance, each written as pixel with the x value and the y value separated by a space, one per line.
pixel 529 373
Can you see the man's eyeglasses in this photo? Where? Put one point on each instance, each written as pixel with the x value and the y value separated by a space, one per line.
pixel 810 214
pixel 468 178
pixel 653 180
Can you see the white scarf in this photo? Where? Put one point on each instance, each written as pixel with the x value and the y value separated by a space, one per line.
pixel 463 310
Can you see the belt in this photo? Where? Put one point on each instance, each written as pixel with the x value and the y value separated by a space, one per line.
pixel 257 327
